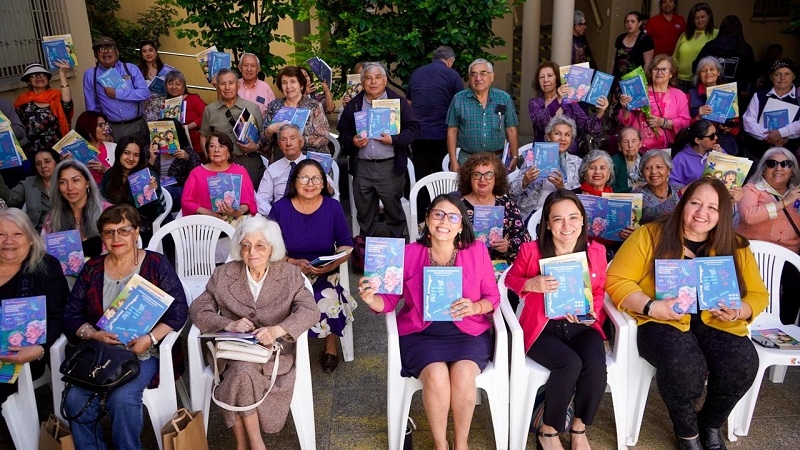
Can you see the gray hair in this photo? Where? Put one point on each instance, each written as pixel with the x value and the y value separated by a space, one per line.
pixel 650 154
pixel 480 61
pixel 37 250
pixel 258 61
pixel 443 52
pixel 561 120
pixel 173 75
pixel 707 61
pixel 60 215
pixel 370 66
pixel 626 129
pixel 268 228
pixel 578 17
pixel 758 175
pixel 593 156
pixel 226 71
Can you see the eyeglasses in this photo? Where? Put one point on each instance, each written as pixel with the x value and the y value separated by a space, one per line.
pixel 484 175
pixel 103 125
pixel 122 232
pixel 260 247
pixel 37 75
pixel 316 181
pixel 482 74
pixel 711 136
pixel 660 69
pixel 772 163
pixel 106 48
pixel 438 214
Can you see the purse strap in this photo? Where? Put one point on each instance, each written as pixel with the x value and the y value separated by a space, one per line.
pixel 788 217
pixel 276 347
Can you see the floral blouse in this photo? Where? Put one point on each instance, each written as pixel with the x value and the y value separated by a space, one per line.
pixel 653 207
pixel 41 125
pixel 513 227
pixel 153 107
pixel 316 131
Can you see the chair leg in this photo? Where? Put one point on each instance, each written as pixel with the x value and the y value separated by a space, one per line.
pixel 498 406
pixel 638 401
pixel 744 409
pixel 347 342
pixel 777 374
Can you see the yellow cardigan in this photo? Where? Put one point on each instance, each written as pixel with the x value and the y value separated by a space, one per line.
pixel 631 271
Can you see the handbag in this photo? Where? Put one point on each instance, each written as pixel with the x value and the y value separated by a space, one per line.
pixel 241 351
pixel 592 141
pixel 185 431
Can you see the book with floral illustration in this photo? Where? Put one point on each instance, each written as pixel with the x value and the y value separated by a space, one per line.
pixel 677 278
pixel 66 246
pixel 353 84
pixel 70 45
pixel 441 287
pixel 143 192
pixel 220 188
pixel 574 293
pixel 136 310
pixel 73 144
pixel 717 283
pixel 729 169
pixel 564 70
pixel 636 204
pixel 383 264
pixel 202 58
pixel 24 322
pixel 606 217
pixel 487 222
pixel 112 79
pixel 601 86
pixel 580 80
pixel 164 134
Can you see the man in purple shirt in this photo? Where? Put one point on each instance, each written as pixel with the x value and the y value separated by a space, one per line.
pixel 122 106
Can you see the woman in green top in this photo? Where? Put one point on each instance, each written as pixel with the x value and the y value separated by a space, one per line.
pixel 699 30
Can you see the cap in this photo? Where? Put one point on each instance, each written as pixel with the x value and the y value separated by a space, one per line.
pixel 32 69
pixel 782 63
pixel 105 40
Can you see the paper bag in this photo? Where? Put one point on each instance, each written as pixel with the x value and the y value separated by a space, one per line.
pixel 185 431
pixel 54 435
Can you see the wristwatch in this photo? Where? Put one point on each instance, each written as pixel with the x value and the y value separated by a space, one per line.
pixel 647 306
pixel 153 340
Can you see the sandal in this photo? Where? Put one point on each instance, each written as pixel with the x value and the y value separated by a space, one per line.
pixel 571 432
pixel 544 435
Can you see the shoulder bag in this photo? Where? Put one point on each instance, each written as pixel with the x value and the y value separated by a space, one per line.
pixel 241 351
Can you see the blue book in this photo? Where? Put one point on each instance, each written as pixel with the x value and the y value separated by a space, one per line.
pixel 717 283
pixel 168 181
pixel 220 188
pixel 158 86
pixel 383 264
pixel 246 128
pixel 601 86
pixel 55 51
pixel 24 322
pixel 774 120
pixel 636 89
pixel 619 218
pixel 139 183
pixel 580 80
pixel 165 70
pixel 677 278
pixel 80 150
pixel 720 102
pixel 487 221
pixel 596 214
pixel 546 159
pixel 362 123
pixel 217 61
pixel 606 217
pixel 321 69
pixel 136 310
pixel 574 293
pixel 236 181
pixel 111 78
pixel 284 114
pixel 9 155
pixel 296 116
pixel 324 159
pixel 380 121
pixel 66 246
pixel 441 286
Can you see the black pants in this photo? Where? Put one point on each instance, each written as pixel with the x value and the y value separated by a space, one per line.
pixel 790 294
pixel 427 156
pixel 682 361
pixel 576 359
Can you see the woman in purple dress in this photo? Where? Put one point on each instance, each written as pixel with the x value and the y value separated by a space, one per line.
pixel 313 225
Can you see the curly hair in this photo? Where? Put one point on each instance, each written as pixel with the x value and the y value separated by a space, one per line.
pixel 480 159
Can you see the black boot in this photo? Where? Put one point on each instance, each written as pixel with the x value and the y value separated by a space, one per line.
pixel 689 444
pixel 712 439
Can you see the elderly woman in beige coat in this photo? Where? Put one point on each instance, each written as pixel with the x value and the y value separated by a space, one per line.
pixel 261 293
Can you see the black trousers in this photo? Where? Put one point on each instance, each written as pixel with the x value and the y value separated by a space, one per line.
pixel 575 356
pixel 427 156
pixel 682 360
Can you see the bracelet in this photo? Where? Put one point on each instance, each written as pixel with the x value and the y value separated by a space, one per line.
pixel 647 306
pixel 480 307
pixel 42 355
pixel 736 317
pixel 83 332
pixel 153 340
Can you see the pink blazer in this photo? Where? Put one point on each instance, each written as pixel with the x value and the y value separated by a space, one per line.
pixel 674 106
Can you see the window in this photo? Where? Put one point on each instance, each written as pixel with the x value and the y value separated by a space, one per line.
pixel 771 10
pixel 24 24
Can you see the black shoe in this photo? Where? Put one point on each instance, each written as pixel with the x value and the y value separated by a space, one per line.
pixel 544 435
pixel 689 444
pixel 329 362
pixel 571 432
pixel 711 439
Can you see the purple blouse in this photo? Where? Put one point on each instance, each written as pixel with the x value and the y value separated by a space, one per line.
pixel 540 115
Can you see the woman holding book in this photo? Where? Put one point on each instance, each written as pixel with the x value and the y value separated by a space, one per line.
pixel 699 31
pixel 571 347
pixel 45 112
pixel 482 182
pixel 688 349
pixel 257 292
pixel 116 189
pixel 550 103
pixel 695 143
pixel 101 280
pixel 150 65
pixel 315 129
pixel 95 129
pixel 626 162
pixel 196 197
pixel 192 110
pixel 659 195
pixel 34 191
pixel 26 270
pixel 445 356
pixel 177 164
pixel 708 75
pixel 308 206
pixel 768 212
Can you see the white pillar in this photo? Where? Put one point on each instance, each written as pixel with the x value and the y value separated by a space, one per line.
pixel 531 24
pixel 655 7
pixel 563 14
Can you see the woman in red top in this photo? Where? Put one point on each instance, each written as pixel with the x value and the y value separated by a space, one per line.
pixel 193 117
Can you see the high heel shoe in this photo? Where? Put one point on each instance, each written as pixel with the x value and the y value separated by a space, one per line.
pixel 571 432
pixel 544 435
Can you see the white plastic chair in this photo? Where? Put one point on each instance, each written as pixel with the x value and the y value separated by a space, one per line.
pixel 446 160
pixel 334 176
pixel 337 148
pixel 167 210
pixel 493 380
pixel 404 202
pixel 196 239
pixel 533 223
pixel 436 183
pixel 161 402
pixel 302 405
pixel 20 412
pixel 771 259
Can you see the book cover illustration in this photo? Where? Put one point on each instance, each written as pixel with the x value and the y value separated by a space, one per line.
pixel 442 286
pixel 636 201
pixel 379 122
pixel 55 51
pixel 393 105
pixel 141 187
pixel 66 246
pixel 236 181
pixel 733 111
pixel 499 266
pixel 168 181
pixel 202 59
pixel 9 151
pixel 246 128
pixel 729 169
pixel 774 120
pixel 579 79
pixel 717 283
pixel 774 338
pixel 220 188
pixel 354 86
pixel 324 159
pixel 720 102
pixel 73 144
pixel 112 79
pixel 487 222
pixel 564 70
pixel 24 322
pixel 166 70
pixel 136 310
pixel 619 216
pixel 546 159
pixel 296 116
pixel 68 42
pixel 383 264
pixel 164 134
pixel 773 109
pixel 321 69
pixel 677 278
pixel 634 85
pixel 601 86
pixel 362 123
pixel 217 61
pixel 173 108
pixel 9 372
pixel 574 294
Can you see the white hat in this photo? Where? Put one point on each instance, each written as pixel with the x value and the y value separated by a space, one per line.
pixel 35 68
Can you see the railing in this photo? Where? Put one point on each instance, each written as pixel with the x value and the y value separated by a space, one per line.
pixel 186 55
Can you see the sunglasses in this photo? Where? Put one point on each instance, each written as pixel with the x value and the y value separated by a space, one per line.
pixel 438 214
pixel 771 163
pixel 711 136
pixel 231 120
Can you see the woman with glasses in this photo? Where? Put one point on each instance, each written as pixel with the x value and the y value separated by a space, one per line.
pixel 100 281
pixel 695 143
pixel 45 112
pixel 626 162
pixel 445 356
pixel 194 107
pixel 196 196
pixel 313 225
pixel 256 292
pixel 768 211
pixel 94 127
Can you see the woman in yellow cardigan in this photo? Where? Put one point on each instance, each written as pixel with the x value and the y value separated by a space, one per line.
pixel 685 347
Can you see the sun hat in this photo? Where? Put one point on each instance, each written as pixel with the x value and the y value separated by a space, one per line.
pixel 35 68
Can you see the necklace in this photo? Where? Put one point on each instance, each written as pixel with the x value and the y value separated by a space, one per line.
pixel 450 263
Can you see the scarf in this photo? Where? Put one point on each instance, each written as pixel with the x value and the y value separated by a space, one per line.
pixel 586 188
pixel 51 97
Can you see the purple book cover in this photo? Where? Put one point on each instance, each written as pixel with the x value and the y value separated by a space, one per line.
pixel 383 264
pixel 284 114
pixel 677 278
pixel 487 221
pixel 441 286
pixel 24 322
pixel 601 86
pixel 139 183
pixel 570 298
pixel 221 190
pixel 718 283
pixel 580 80
pixel 619 216
pixel 546 159
pixel 362 123
pixel 136 310
pixel 66 246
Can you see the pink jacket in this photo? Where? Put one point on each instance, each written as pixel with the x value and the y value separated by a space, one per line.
pixel 196 195
pixel 673 106
pixel 526 266
pixel 478 283
pixel 759 218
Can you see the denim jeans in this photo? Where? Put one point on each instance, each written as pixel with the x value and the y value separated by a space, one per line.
pixel 124 405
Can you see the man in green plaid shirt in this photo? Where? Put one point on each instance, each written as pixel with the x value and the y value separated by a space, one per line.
pixel 481 118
